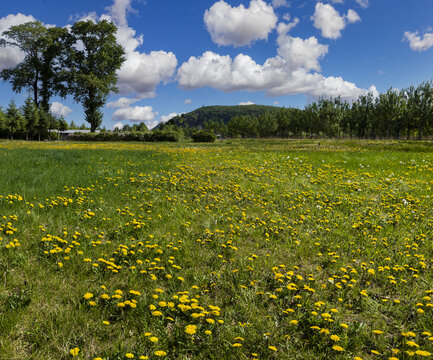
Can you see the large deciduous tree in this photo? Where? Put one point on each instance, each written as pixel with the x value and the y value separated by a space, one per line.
pixel 93 64
pixel 42 70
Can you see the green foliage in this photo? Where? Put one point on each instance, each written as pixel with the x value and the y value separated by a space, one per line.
pixel 42 69
pixel 219 114
pixel 93 68
pixel 203 136
pixel 243 249
pixel 31 116
pixel 14 119
pixel 157 135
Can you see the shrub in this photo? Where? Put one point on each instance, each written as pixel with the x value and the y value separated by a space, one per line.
pixel 203 136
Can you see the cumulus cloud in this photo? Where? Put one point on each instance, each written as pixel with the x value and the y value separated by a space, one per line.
pixel 301 53
pixel 276 103
pixel 118 125
pixel 294 70
pixel 11 56
pixel 246 103
pixel 239 26
pixel 59 109
pixel 165 118
pixel 280 3
pixel 417 42
pixel 141 73
pixel 135 113
pixel 284 28
pixel 122 102
pixel 330 22
pixel 187 101
pixel 119 10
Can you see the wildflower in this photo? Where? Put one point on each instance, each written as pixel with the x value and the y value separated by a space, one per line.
pixel 335 338
pixel 129 355
pixel 273 348
pixel 74 351
pixel 160 353
pixel 422 353
pixel 87 296
pixel 191 329
pixel 337 348
pixel 236 345
pixel 154 339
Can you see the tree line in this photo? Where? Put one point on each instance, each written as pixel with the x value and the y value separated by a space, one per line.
pixel 396 114
pixel 80 61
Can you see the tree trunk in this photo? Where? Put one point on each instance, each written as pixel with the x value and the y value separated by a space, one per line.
pixel 35 90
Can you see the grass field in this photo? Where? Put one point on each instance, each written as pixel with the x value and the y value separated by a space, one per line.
pixel 235 250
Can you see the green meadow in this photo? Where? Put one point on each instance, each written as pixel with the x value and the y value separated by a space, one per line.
pixel 241 249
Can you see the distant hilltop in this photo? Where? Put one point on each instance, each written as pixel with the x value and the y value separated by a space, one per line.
pixel 218 113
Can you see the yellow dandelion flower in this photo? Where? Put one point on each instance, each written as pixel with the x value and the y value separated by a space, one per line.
pixel 337 348
pixel 74 351
pixel 335 338
pixel 191 329
pixel 129 355
pixel 273 348
pixel 154 339
pixel 87 296
pixel 422 353
pixel 160 353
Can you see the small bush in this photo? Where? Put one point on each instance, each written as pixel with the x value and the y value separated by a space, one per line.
pixel 203 136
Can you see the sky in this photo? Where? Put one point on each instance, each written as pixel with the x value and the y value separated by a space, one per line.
pixel 181 55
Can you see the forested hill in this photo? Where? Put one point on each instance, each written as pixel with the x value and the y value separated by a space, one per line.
pixel 218 113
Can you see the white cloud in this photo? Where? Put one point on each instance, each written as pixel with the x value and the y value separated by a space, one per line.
pixel 239 26
pixel 299 53
pixel 352 16
pixel 141 73
pixel 223 73
pixel 119 10
pixel 363 3
pixel 118 125
pixel 122 102
pixel 418 43
pixel 187 101
pixel 165 118
pixel 246 103
pixel 280 3
pixel 136 113
pixel 276 103
pixel 294 70
pixel 59 109
pixel 284 28
pixel 330 22
pixel 11 56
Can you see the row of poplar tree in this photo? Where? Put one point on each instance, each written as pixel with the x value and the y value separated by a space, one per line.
pixel 80 61
pixel 406 113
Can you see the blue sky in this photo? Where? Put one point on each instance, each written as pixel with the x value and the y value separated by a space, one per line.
pixel 185 54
